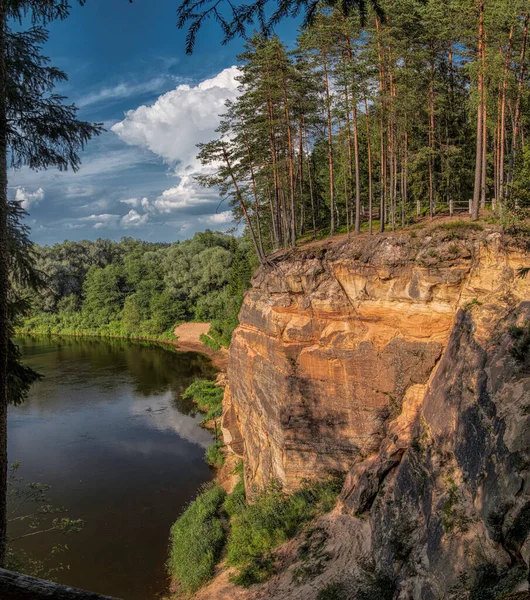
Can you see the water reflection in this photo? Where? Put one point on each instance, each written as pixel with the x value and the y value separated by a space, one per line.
pixel 108 430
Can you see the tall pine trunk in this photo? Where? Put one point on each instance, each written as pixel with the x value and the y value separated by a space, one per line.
pixel 502 129
pixel 369 152
pixel 431 143
pixel 517 115
pixel 330 143
pixel 290 161
pixel 475 205
pixel 239 197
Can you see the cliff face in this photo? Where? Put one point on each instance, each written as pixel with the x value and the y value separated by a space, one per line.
pixel 402 359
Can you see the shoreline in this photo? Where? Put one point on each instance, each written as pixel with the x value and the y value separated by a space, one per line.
pixel 219 358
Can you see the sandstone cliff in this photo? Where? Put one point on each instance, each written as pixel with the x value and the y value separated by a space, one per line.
pixel 402 359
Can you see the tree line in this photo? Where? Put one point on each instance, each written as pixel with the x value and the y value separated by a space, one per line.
pixel 132 288
pixel 371 120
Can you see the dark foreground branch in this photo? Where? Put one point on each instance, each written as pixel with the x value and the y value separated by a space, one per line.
pixel 15 586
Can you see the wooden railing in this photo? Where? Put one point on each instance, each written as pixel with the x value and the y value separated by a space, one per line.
pixel 15 586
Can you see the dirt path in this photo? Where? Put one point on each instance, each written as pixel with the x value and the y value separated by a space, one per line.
pixel 189 339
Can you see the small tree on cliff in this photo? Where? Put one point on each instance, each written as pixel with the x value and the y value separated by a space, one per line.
pixel 38 130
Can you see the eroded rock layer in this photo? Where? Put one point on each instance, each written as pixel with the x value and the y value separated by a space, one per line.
pixel 404 360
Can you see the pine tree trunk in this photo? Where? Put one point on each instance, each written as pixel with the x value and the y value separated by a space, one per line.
pixel 4 287
pixel 431 143
pixel 382 211
pixel 239 197
pixel 311 195
pixel 404 191
pixel 502 131
pixel 290 161
pixel 330 143
pixel 369 152
pixel 355 144
pixel 484 155
pixel 357 170
pixel 255 193
pixel 517 115
pixel 301 176
pixel 272 145
pixel 474 209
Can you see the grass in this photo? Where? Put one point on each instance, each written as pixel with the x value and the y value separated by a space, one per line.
pixel 210 342
pixel 459 226
pixel 458 229
pixel 207 397
pixel 273 518
pixel 197 539
pixel 236 502
pixel 214 455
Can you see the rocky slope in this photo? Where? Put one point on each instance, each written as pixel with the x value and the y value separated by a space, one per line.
pixel 402 359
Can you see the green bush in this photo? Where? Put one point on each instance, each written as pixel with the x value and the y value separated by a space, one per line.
pixel 207 396
pixel 460 226
pixel 270 520
pixel 236 502
pixel 214 455
pixel 521 346
pixel 210 342
pixel 197 538
pixel 333 591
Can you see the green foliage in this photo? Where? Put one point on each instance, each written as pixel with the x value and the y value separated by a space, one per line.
pixel 210 342
pixel 271 519
pixel 236 502
pixel 378 586
pixel 138 289
pixel 521 344
pixel 335 590
pixel 207 396
pixel 197 538
pixel 214 455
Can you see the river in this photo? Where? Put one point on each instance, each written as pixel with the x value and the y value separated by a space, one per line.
pixel 108 430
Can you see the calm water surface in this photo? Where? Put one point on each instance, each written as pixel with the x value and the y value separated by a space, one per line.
pixel 108 430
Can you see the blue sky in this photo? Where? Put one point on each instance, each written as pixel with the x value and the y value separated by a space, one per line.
pixel 128 69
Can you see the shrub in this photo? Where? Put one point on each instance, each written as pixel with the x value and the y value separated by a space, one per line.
pixel 197 538
pixel 521 346
pixel 379 586
pixel 273 518
pixel 236 501
pixel 207 396
pixel 333 591
pixel 214 455
pixel 210 342
pixel 459 226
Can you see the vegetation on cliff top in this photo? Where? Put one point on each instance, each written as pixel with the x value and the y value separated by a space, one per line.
pixel 371 121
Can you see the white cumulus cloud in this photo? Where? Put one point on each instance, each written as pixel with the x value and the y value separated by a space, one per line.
pixel 178 120
pixel 134 219
pixel 172 127
pixel 28 199
pixel 218 218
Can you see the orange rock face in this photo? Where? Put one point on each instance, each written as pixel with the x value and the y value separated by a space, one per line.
pixel 332 339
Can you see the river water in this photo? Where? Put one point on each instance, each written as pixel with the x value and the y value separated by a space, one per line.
pixel 108 430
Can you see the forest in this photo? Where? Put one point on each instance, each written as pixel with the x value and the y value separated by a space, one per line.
pixel 371 120
pixel 132 288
